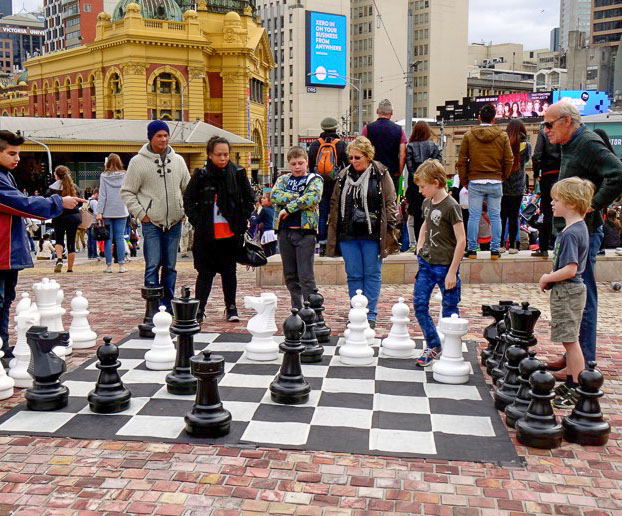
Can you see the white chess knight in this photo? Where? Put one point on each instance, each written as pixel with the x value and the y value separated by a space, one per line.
pixel 46 294
pixel 451 368
pixel 80 330
pixel 26 316
pixel 262 327
pixel 398 343
pixel 370 333
pixel 161 357
pixel 356 350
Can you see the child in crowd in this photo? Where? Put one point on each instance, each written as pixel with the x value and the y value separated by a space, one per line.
pixel 266 225
pixel 46 249
pixel 440 248
pixel 572 198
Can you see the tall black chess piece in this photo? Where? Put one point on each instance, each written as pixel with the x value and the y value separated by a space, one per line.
pixel 208 418
pixel 507 391
pixel 539 428
pixel 519 406
pixel 47 392
pixel 313 351
pixel 322 332
pixel 185 326
pixel 110 395
pixel 290 387
pixel 585 425
pixel 152 295
pixel 490 332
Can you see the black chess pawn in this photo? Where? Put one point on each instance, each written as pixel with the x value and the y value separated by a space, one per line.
pixel 322 332
pixel 493 360
pixel 208 418
pixel 506 393
pixel 185 326
pixel 490 332
pixel 290 387
pixel 152 295
pixel 585 425
pixel 110 395
pixel 313 351
pixel 45 367
pixel 518 408
pixel 539 428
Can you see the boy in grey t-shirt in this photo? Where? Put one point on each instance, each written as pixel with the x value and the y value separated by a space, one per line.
pixel 572 198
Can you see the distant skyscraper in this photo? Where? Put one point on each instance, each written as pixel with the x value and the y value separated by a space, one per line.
pixel 6 8
pixel 574 15
pixel 554 45
pixel 607 23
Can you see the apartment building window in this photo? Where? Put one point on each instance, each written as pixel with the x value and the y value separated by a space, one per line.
pixel 291 52
pixel 291 140
pixel 291 70
pixel 291 88
pixel 291 18
pixel 291 35
pixel 291 124
pixel 87 9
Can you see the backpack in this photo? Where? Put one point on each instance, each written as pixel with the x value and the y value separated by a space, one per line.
pixel 326 158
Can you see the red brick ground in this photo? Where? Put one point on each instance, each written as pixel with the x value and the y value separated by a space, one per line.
pixel 47 476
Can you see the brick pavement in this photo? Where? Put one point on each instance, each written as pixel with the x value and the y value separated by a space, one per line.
pixel 48 476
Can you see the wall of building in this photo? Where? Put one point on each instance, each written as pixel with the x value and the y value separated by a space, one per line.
pixel 573 15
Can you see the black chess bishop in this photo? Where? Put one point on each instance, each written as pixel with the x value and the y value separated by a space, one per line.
pixel 110 395
pixel 322 332
pixel 313 350
pixel 152 295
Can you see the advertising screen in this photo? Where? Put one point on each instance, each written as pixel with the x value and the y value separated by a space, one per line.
pixel 587 102
pixel 517 105
pixel 326 37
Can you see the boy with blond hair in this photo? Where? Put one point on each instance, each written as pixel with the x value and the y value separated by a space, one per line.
pixel 440 248
pixel 572 198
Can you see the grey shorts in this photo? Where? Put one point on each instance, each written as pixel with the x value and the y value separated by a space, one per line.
pixel 567 304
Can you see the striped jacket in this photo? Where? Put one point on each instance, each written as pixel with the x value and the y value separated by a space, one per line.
pixel 14 206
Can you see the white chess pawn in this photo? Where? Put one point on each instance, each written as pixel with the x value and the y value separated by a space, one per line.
pixel 262 327
pixel 60 297
pixel 398 343
pixel 46 292
pixel 356 350
pixel 439 297
pixel 19 366
pixel 370 333
pixel 161 357
pixel 24 304
pixel 80 330
pixel 6 383
pixel 452 368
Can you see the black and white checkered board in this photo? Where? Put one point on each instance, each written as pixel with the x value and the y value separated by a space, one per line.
pixel 391 407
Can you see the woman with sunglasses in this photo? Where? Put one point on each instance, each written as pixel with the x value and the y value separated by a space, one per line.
pixel 362 221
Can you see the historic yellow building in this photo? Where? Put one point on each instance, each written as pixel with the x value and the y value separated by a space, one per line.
pixel 151 60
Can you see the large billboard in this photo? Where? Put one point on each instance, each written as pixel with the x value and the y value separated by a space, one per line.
pixel 326 37
pixel 587 102
pixel 517 105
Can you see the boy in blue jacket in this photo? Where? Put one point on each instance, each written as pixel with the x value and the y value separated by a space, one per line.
pixel 14 206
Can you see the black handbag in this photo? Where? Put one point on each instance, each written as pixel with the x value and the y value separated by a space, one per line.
pixel 101 231
pixel 251 253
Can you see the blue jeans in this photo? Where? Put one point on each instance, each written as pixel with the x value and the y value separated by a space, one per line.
pixel 428 277
pixel 91 243
pixel 117 231
pixel 322 226
pixel 364 270
pixel 478 193
pixel 8 281
pixel 160 251
pixel 587 333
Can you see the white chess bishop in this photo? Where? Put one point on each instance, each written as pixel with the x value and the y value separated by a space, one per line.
pixel 262 327
pixel 398 343
pixel 161 357
pixel 452 368
pixel 46 294
pixel 356 350
pixel 80 330
pixel 26 315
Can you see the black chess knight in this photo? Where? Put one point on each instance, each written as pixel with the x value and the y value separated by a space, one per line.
pixel 152 296
pixel 322 332
pixel 497 312
pixel 110 395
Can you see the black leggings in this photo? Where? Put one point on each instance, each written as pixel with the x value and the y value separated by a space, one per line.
pixel 546 183
pixel 66 223
pixel 229 286
pixel 510 207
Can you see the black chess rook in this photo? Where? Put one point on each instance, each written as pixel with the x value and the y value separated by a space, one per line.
pixel 313 350
pixel 518 408
pixel 322 332
pixel 110 395
pixel 152 295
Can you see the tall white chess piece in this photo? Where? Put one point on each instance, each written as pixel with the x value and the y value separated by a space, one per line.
pixel 46 292
pixel 80 329
pixel 24 304
pixel 356 350
pixel 161 357
pixel 26 318
pixel 262 327
pixel 398 343
pixel 451 368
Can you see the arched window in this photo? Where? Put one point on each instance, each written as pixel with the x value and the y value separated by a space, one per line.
pixel 165 98
pixel 115 84
pixel 92 86
pixel 79 88
pixel 56 91
pixel 165 83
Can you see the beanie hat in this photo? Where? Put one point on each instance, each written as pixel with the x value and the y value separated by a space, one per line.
pixel 329 124
pixel 155 126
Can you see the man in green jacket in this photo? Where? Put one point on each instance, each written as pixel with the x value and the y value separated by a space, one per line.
pixel 585 155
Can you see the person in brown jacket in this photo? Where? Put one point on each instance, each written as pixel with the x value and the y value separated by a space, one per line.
pixel 485 161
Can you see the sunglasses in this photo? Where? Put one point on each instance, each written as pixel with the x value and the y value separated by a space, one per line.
pixel 549 125
pixel 355 158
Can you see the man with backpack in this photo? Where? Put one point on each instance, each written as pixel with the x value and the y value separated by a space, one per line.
pixel 327 156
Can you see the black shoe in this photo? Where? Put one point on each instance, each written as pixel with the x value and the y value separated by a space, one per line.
pixel 231 313
pixel 495 255
pixel 372 324
pixel 322 250
pixel 601 252
pixel 540 253
pixel 470 254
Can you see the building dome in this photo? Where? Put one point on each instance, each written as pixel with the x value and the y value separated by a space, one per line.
pixel 152 9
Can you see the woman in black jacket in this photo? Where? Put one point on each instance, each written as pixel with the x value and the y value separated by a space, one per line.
pixel 218 202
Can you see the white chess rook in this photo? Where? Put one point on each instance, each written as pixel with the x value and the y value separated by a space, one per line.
pixel 262 327
pixel 398 343
pixel 451 368
pixel 80 330
pixel 356 350
pixel 161 357
pixel 46 292
pixel 26 317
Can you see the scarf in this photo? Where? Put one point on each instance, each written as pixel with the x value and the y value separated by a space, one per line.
pixel 358 189
pixel 223 179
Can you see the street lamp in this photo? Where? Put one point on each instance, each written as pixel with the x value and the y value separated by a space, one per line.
pixel 47 149
pixel 357 88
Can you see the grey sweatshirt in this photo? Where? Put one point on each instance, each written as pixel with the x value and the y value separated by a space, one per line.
pixel 110 203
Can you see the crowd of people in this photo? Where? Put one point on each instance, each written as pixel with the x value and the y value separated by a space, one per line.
pixel 343 199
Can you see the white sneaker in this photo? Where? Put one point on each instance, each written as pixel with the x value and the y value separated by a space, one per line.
pixel 502 249
pixel 512 250
pixel 108 269
pixel 122 268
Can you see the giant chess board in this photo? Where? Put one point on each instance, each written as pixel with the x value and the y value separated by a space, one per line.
pixel 390 408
